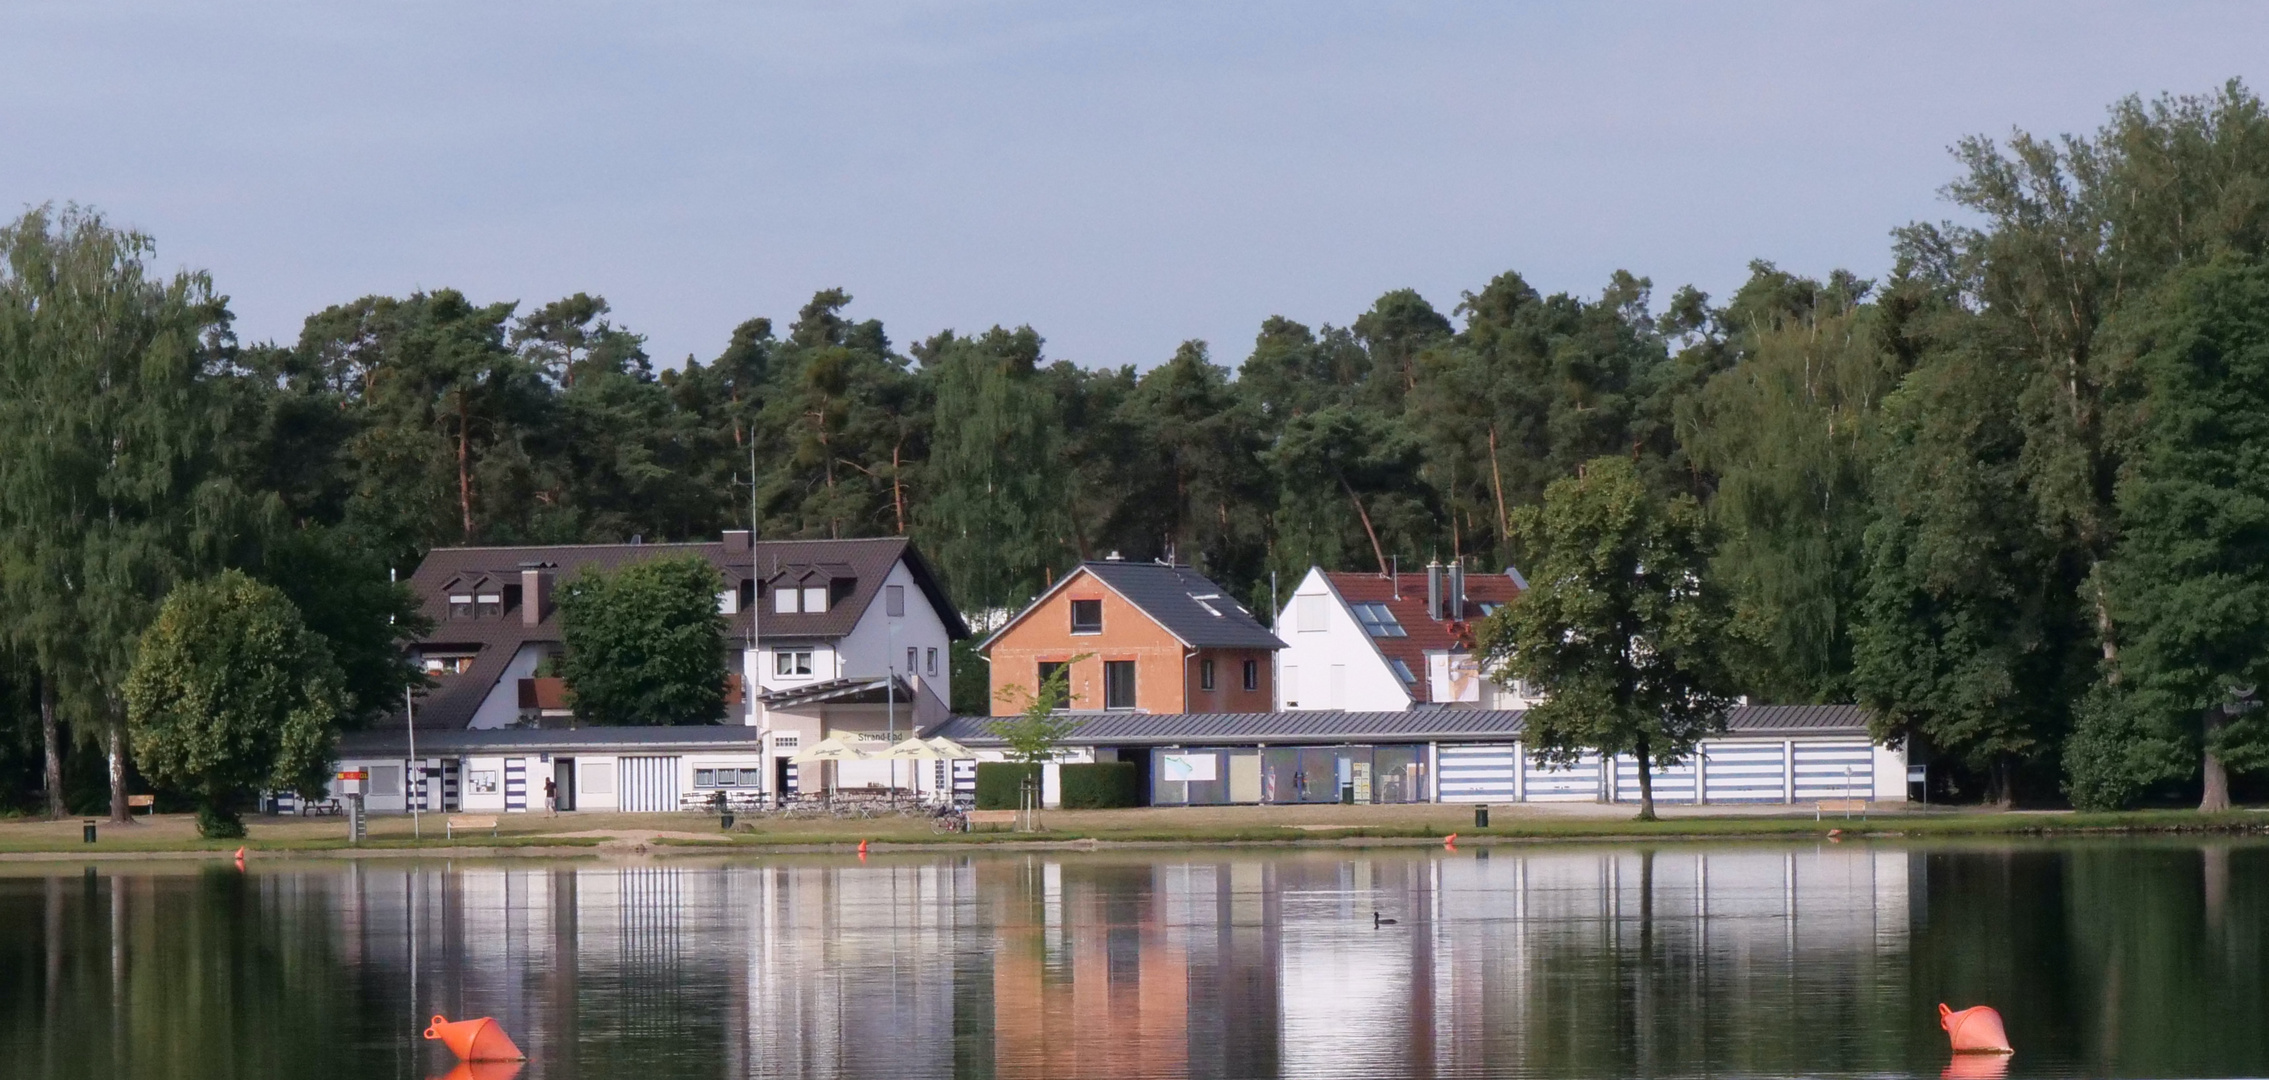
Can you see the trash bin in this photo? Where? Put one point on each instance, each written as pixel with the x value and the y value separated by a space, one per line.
pixel 725 821
pixel 1481 817
pixel 1347 794
pixel 87 831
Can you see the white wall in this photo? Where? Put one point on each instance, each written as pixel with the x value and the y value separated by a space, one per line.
pixel 1890 774
pixel 868 649
pixel 501 708
pixel 1306 677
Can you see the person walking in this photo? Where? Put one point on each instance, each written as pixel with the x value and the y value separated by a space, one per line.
pixel 551 797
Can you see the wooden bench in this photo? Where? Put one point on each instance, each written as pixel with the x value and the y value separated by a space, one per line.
pixel 323 807
pixel 470 821
pixel 992 817
pixel 141 802
pixel 1846 807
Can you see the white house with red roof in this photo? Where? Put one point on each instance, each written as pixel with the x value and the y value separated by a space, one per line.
pixel 1375 643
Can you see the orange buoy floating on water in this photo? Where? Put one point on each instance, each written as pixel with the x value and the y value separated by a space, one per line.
pixel 485 1070
pixel 862 847
pixel 475 1040
pixel 1975 1030
pixel 1450 841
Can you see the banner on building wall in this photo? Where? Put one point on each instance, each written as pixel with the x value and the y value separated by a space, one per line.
pixel 1188 768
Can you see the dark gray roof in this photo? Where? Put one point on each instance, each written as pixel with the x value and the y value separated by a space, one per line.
pixel 1245 729
pixel 1186 603
pixel 451 702
pixel 395 743
pixel 872 689
pixel 1337 726
pixel 1796 719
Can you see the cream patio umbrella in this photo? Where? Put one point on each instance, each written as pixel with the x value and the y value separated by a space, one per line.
pixel 950 750
pixel 829 751
pixel 915 749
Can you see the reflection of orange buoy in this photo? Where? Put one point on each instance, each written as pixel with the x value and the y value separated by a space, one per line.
pixel 1975 1030
pixel 485 1070
pixel 475 1040
pixel 1976 1067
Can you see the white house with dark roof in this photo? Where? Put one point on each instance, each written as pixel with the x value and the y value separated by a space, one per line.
pixel 1373 643
pixel 824 637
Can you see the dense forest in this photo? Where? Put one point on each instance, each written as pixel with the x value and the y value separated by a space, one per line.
pixel 2013 494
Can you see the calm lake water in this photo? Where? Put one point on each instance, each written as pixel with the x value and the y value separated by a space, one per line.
pixel 2107 958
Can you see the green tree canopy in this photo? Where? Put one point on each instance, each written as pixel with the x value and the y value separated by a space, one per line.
pixel 112 431
pixel 2189 580
pixel 1620 627
pixel 645 644
pixel 231 692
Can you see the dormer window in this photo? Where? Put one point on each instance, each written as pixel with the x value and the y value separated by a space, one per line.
pixel 461 605
pixel 488 605
pixel 815 599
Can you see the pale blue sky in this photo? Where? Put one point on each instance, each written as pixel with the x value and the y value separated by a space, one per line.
pixel 1120 177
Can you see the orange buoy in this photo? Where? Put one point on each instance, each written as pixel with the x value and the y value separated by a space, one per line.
pixel 485 1070
pixel 1450 841
pixel 862 847
pixel 475 1040
pixel 1975 1030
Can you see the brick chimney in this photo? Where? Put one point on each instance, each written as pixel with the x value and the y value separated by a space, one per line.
pixel 535 595
pixel 736 541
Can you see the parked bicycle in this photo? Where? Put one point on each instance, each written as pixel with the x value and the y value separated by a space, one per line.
pixel 949 818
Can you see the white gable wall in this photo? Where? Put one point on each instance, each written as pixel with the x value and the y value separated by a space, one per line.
pixel 1329 661
pixel 869 649
pixel 501 708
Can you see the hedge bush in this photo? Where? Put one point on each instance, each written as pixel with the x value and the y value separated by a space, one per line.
pixel 1104 785
pixel 998 784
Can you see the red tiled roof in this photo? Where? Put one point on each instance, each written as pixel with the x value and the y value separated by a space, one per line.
pixel 1408 603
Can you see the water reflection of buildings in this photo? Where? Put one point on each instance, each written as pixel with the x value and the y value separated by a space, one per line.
pixel 1124 967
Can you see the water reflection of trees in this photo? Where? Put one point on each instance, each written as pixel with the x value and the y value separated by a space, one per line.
pixel 1541 961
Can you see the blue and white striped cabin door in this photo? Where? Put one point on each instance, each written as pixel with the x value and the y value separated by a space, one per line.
pixel 648 784
pixel 1476 773
pixel 1581 782
pixel 1735 772
pixel 515 785
pixel 964 781
pixel 1671 785
pixel 1835 770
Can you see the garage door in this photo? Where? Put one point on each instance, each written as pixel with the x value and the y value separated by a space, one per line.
pixel 1673 785
pixel 1834 770
pixel 1577 783
pixel 649 784
pixel 1745 772
pixel 1478 773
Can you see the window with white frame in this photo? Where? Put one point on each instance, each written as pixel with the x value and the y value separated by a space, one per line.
pixel 791 662
pixel 815 599
pixel 460 605
pixel 1309 614
pixel 894 600
pixel 488 605
pixel 786 600
pixel 447 665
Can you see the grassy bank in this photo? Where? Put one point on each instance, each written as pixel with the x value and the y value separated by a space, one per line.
pixel 175 835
